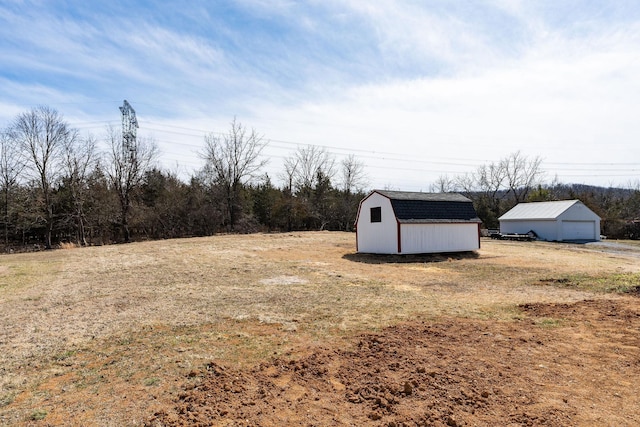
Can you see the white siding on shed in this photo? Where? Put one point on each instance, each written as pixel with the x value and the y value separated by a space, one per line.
pixel 439 238
pixel 416 223
pixel 377 237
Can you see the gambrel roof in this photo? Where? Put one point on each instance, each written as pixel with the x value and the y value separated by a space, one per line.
pixel 415 207
pixel 539 210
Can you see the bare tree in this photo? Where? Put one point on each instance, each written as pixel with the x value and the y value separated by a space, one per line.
pixel 521 174
pixel 42 134
pixel 353 177
pixel 490 179
pixel 11 165
pixel 127 166
pixel 231 161
pixel 466 183
pixel 307 163
pixel 443 184
pixel 352 182
pixel 485 187
pixel 312 169
pixel 80 159
pixel 490 185
pixel 288 176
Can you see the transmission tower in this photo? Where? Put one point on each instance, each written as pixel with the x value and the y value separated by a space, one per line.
pixel 129 131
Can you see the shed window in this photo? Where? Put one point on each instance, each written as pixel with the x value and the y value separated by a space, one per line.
pixel 376 214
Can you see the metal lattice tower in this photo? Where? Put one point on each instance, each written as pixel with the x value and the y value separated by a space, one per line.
pixel 129 130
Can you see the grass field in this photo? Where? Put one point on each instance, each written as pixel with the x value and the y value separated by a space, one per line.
pixel 108 335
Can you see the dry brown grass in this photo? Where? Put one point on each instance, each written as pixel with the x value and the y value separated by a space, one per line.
pixel 67 245
pixel 102 335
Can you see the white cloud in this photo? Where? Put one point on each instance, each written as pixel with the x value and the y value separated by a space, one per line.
pixel 564 100
pixel 443 86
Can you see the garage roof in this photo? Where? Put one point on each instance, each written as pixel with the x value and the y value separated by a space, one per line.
pixel 538 210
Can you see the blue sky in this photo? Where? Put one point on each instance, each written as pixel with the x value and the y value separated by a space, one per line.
pixel 415 89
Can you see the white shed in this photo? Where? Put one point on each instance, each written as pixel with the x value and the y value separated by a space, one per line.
pixel 400 222
pixel 565 220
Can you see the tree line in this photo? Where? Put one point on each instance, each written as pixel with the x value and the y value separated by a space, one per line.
pixel 496 187
pixel 58 186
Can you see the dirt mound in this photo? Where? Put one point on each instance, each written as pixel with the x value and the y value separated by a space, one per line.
pixel 560 365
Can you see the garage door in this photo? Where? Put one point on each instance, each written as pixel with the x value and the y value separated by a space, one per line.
pixel 578 230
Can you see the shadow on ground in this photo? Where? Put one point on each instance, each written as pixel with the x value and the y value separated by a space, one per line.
pixel 409 259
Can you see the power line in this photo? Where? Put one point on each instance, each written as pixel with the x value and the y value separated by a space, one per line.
pixel 596 169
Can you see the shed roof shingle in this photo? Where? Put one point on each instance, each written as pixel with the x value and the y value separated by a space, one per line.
pixel 413 207
pixel 414 195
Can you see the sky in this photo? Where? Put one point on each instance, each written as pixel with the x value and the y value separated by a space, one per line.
pixel 415 89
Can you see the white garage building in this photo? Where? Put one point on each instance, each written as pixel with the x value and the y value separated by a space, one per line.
pixel 400 222
pixel 565 220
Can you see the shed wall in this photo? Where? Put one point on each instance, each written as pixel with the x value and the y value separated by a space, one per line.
pixel 377 237
pixel 546 230
pixel 435 238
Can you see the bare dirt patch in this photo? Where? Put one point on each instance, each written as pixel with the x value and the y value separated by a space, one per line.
pixel 561 365
pixel 301 330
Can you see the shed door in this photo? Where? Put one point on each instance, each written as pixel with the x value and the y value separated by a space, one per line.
pixel 578 230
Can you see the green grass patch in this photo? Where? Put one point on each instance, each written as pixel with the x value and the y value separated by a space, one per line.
pixel 7 399
pixel 610 283
pixel 548 322
pixel 23 271
pixel 38 414
pixel 64 355
pixel 148 382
